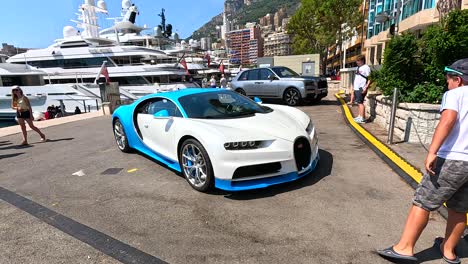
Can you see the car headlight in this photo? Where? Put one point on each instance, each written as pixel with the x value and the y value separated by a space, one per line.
pixel 310 127
pixel 240 145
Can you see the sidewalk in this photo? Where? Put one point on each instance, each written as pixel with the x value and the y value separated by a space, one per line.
pixel 6 131
pixel 413 153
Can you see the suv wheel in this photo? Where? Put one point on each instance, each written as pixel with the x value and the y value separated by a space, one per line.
pixel 241 91
pixel 292 97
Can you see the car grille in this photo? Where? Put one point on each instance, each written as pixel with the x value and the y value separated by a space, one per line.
pixel 302 153
pixel 256 170
pixel 322 84
pixel 310 85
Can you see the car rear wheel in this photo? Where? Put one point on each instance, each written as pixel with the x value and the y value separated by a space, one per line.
pixel 121 137
pixel 196 165
pixel 241 91
pixel 292 97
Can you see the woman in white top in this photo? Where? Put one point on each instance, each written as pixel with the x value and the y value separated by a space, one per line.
pixel 23 109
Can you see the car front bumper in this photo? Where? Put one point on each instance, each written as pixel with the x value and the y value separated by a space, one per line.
pixel 229 185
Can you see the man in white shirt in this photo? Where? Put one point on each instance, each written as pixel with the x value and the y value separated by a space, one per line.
pixel 446 180
pixel 360 85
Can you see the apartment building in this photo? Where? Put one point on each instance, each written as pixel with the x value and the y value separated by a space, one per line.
pixel 389 17
pixel 245 45
pixel 278 44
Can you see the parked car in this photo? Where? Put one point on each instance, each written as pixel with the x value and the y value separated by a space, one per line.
pixel 282 83
pixel 219 138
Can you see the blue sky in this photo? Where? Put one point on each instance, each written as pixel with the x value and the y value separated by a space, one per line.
pixel 37 23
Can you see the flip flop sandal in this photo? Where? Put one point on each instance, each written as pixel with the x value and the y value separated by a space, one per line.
pixel 437 244
pixel 391 253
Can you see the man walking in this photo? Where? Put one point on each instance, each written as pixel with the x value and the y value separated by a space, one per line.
pixel 446 180
pixel 360 85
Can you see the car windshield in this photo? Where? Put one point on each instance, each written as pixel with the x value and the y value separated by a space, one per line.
pixel 220 105
pixel 284 72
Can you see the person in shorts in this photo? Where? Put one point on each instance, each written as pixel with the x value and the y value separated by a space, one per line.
pixel 446 180
pixel 21 104
pixel 360 85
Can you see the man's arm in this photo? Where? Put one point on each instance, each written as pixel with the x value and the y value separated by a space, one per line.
pixel 446 123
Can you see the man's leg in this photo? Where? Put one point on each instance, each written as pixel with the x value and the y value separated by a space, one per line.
pixel 456 224
pixel 362 112
pixel 415 224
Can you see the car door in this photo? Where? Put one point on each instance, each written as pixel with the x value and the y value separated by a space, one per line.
pixel 158 132
pixel 250 87
pixel 267 87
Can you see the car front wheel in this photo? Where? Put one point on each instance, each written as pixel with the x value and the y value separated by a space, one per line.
pixel 292 97
pixel 121 137
pixel 196 165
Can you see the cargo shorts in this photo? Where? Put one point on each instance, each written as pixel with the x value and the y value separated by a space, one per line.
pixel 449 185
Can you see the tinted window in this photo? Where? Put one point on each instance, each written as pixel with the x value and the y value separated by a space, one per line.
pixel 264 73
pixel 253 75
pixel 284 72
pixel 163 104
pixel 220 105
pixel 243 77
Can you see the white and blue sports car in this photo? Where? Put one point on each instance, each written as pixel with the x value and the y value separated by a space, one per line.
pixel 217 137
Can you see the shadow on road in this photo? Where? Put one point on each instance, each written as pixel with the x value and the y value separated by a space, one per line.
pixel 16 147
pixel 59 139
pixel 433 254
pixel 5 143
pixel 6 156
pixel 323 170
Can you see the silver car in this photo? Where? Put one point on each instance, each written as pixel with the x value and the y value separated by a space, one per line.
pixel 282 83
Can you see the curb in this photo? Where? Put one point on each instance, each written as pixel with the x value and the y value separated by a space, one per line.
pixel 399 165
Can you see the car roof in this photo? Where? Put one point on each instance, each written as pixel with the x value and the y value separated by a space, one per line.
pixel 175 95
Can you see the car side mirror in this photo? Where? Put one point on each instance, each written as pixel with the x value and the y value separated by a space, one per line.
pixel 161 114
pixel 272 77
pixel 257 100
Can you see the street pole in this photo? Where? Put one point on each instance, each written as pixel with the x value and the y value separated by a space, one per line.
pixel 392 116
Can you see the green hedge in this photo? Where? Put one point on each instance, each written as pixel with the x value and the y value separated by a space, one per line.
pixel 415 66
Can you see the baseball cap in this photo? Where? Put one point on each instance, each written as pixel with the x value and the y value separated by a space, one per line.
pixel 458 68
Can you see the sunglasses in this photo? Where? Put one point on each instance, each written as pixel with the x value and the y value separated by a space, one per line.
pixel 453 72
pixel 15 90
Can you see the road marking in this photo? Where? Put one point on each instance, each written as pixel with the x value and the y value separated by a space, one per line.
pixel 79 173
pixel 388 154
pixel 100 241
pixel 132 170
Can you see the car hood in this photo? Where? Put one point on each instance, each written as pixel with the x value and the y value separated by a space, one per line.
pixel 273 125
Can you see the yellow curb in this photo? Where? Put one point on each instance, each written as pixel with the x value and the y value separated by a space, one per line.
pixel 132 170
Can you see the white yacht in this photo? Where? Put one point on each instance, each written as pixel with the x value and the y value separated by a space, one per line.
pixel 41 95
pixel 78 57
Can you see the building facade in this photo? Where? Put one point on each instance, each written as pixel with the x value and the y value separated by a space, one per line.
pixel 245 45
pixel 10 50
pixel 278 44
pixel 345 56
pixel 205 43
pixel 390 17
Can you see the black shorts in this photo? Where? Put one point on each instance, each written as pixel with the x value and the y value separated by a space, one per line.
pixel 359 96
pixel 23 114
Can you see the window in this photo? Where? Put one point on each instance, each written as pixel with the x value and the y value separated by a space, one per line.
pixel 253 75
pixel 243 77
pixel 264 73
pixel 163 104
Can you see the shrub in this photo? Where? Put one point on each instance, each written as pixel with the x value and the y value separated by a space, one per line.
pixel 416 66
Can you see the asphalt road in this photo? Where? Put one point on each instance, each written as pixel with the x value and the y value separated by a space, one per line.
pixel 128 208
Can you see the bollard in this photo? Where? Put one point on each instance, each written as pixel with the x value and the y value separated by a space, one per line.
pixel 84 105
pixel 89 108
pixel 392 117
pixel 97 105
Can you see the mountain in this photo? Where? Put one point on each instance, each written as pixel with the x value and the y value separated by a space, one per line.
pixel 242 13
